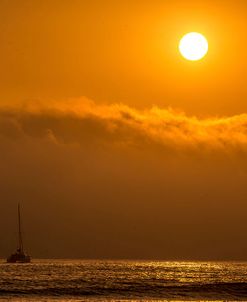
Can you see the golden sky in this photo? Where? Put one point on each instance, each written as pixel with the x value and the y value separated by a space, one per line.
pixel 116 145
pixel 124 51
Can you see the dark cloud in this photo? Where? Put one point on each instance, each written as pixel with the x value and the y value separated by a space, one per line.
pixel 81 122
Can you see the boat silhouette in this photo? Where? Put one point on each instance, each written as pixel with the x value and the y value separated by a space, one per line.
pixel 19 256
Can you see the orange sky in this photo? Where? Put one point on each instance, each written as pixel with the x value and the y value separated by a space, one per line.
pixel 117 146
pixel 124 51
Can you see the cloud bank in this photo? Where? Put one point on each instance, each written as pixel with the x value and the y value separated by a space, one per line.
pixel 82 122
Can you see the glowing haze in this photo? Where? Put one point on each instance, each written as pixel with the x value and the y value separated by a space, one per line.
pixel 117 146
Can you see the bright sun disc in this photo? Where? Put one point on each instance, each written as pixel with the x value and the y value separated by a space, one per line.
pixel 193 46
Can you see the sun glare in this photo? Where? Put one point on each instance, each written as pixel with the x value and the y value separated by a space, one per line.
pixel 193 46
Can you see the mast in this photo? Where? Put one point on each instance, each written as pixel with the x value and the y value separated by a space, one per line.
pixel 20 247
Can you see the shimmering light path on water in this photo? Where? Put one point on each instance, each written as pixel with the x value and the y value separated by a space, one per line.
pixel 75 280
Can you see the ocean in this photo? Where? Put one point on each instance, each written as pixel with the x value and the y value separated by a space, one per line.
pixel 98 280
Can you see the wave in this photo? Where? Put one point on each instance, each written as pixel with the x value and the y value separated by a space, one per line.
pixel 125 290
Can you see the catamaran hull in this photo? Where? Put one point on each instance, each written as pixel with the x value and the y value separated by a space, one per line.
pixel 17 258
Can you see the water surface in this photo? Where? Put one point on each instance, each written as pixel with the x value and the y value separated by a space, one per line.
pixel 78 280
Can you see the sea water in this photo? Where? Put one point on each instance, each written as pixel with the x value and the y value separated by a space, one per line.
pixel 97 280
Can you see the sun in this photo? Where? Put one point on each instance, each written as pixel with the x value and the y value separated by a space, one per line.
pixel 193 46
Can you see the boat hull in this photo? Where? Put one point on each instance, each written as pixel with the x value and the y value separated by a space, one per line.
pixel 19 258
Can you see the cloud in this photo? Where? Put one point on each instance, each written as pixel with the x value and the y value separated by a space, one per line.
pixel 82 122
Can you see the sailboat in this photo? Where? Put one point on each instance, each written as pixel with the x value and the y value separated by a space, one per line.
pixel 19 256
